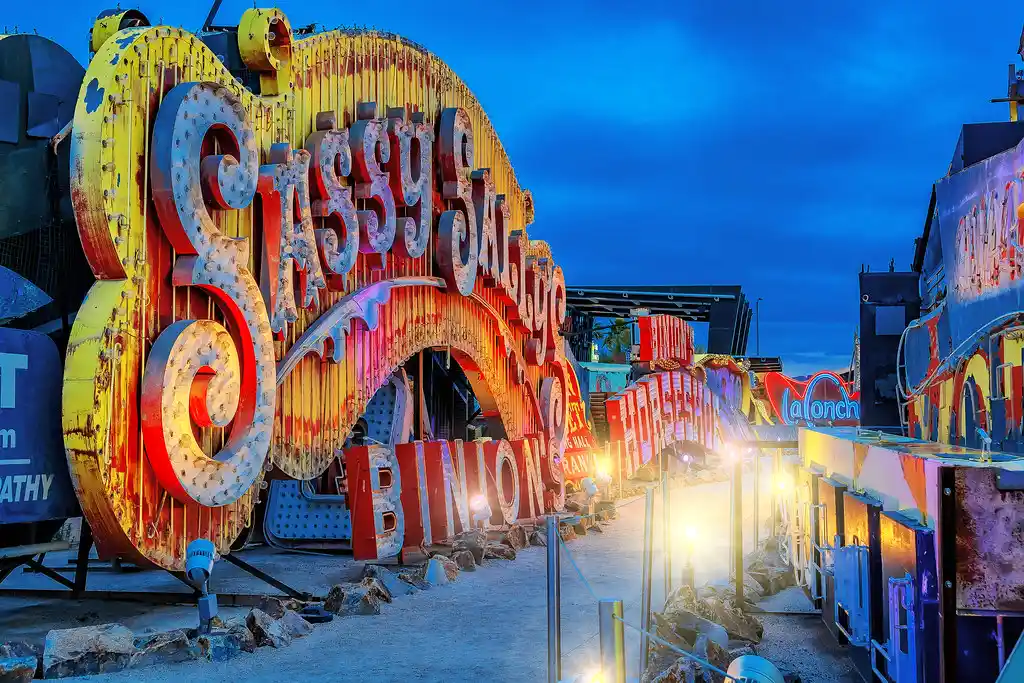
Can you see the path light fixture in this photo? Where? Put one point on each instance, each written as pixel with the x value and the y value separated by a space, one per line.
pixel 732 454
pixel 199 558
pixel 604 479
pixel 754 669
pixel 590 490
pixel 481 510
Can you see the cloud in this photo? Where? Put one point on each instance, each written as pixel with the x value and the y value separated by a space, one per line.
pixel 774 145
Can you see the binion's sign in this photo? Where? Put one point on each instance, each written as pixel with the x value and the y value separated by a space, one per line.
pixel 824 399
pixel 414 494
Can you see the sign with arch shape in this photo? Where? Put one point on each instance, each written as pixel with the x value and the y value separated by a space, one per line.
pixel 267 257
pixel 823 399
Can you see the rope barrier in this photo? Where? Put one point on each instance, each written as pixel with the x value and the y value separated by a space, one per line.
pixel 679 650
pixel 593 515
pixel 575 566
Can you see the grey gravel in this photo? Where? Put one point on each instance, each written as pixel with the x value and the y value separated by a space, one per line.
pixel 490 625
pixel 802 645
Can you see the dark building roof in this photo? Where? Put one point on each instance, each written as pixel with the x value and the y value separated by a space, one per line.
pixel 760 365
pixel 723 307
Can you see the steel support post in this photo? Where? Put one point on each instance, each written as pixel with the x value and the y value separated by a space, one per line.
pixel 82 565
pixel 645 588
pixel 1000 642
pixel 613 641
pixel 757 496
pixel 554 603
pixel 776 472
pixel 618 458
pixel 737 526
pixel 666 528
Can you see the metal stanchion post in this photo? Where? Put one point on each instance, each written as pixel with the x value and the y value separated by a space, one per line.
pixel 757 495
pixel 613 641
pixel 777 472
pixel 645 588
pixel 619 459
pixel 737 526
pixel 554 603
pixel 686 576
pixel 666 525
pixel 1000 642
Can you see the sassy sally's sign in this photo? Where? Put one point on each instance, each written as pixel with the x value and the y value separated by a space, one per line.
pixel 266 261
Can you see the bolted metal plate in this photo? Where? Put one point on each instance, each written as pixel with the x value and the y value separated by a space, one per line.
pixel 43 115
pixel 295 515
pixel 10 112
pixel 380 414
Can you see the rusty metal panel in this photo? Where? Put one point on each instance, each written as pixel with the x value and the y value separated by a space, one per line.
pixel 830 497
pixel 10 112
pixel 989 547
pixel 861 527
pixel 908 548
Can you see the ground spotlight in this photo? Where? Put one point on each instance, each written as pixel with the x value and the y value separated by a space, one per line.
pixel 199 558
pixel 604 481
pixel 481 509
pixel 686 534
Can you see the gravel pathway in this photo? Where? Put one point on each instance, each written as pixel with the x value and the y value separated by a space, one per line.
pixel 490 625
pixel 801 644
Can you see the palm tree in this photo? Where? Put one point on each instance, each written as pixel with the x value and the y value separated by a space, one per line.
pixel 615 341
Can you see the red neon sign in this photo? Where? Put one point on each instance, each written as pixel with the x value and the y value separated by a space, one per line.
pixel 665 341
pixel 823 399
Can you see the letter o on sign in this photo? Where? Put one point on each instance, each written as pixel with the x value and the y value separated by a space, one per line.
pixel 507 481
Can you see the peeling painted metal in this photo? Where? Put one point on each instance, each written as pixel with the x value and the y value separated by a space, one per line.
pixel 201 267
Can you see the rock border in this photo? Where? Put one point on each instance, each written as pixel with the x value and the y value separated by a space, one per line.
pixel 277 621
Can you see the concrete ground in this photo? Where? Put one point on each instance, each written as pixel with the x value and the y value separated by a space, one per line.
pixel 490 625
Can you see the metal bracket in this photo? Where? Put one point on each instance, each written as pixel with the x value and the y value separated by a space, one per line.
pixel 902 595
pixel 851 593
pixel 901 666
pixel 814 572
pixel 879 649
pixel 1007 480
pixel 266 578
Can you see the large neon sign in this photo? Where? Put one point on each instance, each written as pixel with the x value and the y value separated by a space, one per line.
pixel 266 262
pixel 824 399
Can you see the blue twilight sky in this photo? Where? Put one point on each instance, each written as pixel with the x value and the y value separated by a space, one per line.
pixel 774 144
